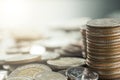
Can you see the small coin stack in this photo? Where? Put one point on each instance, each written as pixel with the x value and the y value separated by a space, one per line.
pixel 103 47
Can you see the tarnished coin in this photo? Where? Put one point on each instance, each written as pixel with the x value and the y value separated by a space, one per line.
pixel 50 76
pixel 19 78
pixel 66 62
pixel 29 70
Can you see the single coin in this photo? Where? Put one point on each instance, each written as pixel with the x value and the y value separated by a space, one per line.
pixel 78 73
pixel 103 41
pixel 103 67
pixel 102 35
pixel 103 60
pixel 29 70
pixel 103 64
pixel 110 77
pixel 104 23
pixel 50 76
pixel 102 50
pixel 66 62
pixel 103 38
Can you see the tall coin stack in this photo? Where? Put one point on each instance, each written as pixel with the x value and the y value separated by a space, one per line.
pixel 103 47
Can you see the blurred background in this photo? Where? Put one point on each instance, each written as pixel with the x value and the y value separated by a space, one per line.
pixel 19 15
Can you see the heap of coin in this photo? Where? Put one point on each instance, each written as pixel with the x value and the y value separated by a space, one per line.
pixel 103 47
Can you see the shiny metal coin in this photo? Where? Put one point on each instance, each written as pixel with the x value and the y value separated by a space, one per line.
pixel 80 73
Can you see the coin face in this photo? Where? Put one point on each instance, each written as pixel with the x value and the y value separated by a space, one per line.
pixel 66 62
pixel 29 70
pixel 105 22
pixel 50 76
pixel 19 78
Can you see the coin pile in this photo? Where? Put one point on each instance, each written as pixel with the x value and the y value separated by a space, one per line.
pixel 103 47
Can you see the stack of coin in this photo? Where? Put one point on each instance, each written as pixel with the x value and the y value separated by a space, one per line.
pixel 103 47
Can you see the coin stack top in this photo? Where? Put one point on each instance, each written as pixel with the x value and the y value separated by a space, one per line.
pixel 103 40
pixel 106 22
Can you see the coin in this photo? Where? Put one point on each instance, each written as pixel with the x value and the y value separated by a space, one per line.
pixel 78 73
pixel 50 76
pixel 29 70
pixel 104 22
pixel 21 59
pixel 66 62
